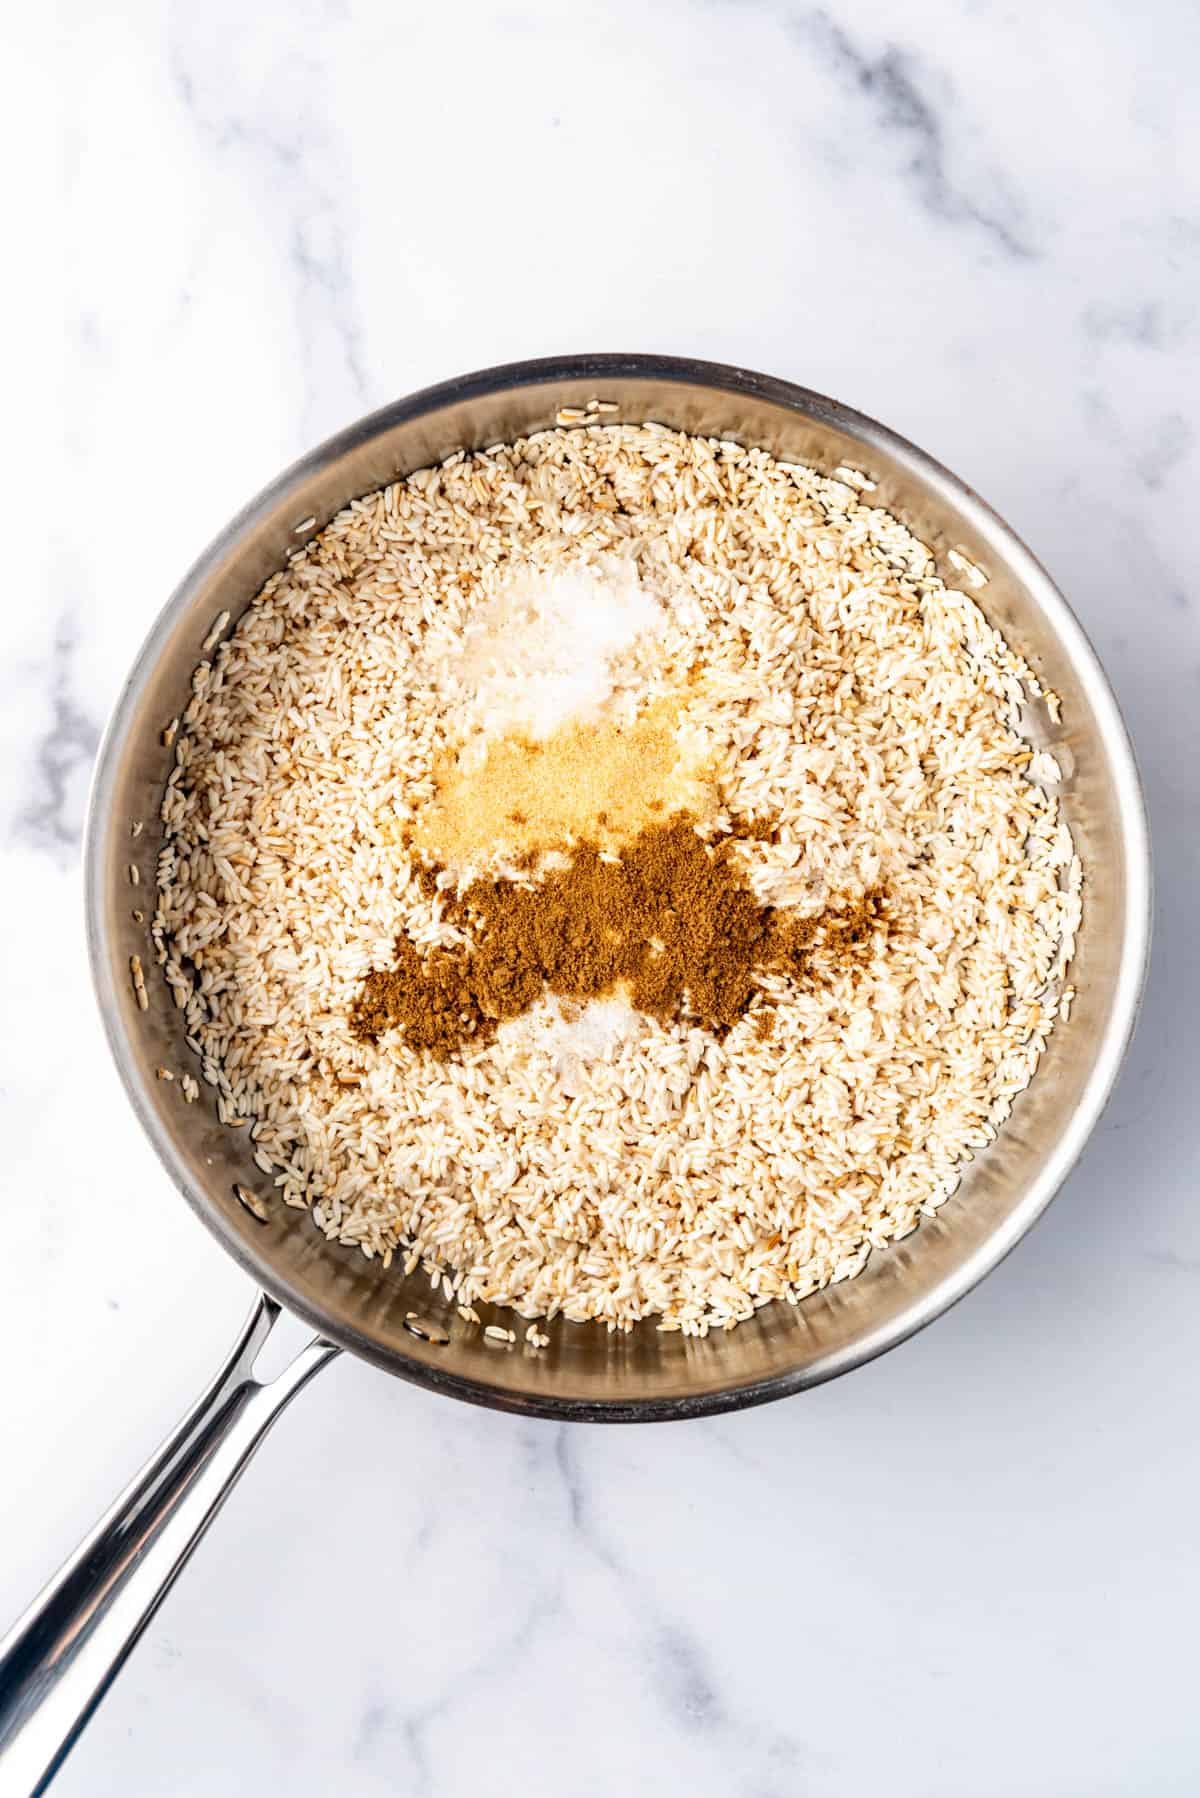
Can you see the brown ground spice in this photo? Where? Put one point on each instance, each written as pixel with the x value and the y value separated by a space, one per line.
pixel 672 923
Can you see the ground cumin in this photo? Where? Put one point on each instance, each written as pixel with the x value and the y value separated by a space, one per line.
pixel 672 924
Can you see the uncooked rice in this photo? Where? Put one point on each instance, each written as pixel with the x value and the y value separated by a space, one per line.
pixel 844 692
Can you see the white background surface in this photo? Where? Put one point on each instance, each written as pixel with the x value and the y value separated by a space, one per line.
pixel 971 1568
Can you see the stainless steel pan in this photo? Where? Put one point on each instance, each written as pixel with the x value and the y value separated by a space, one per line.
pixel 61 1657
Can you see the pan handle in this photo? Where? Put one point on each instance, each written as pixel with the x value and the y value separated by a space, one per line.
pixel 61 1657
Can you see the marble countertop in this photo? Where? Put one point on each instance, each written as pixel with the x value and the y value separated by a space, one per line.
pixel 970 1568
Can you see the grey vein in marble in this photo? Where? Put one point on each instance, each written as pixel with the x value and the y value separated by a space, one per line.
pixel 1170 442
pixel 289 156
pixel 61 753
pixel 895 85
pixel 677 1668
pixel 1151 325
pixel 381 1720
pixel 1166 441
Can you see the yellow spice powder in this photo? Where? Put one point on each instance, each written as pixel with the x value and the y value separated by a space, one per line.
pixel 516 795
